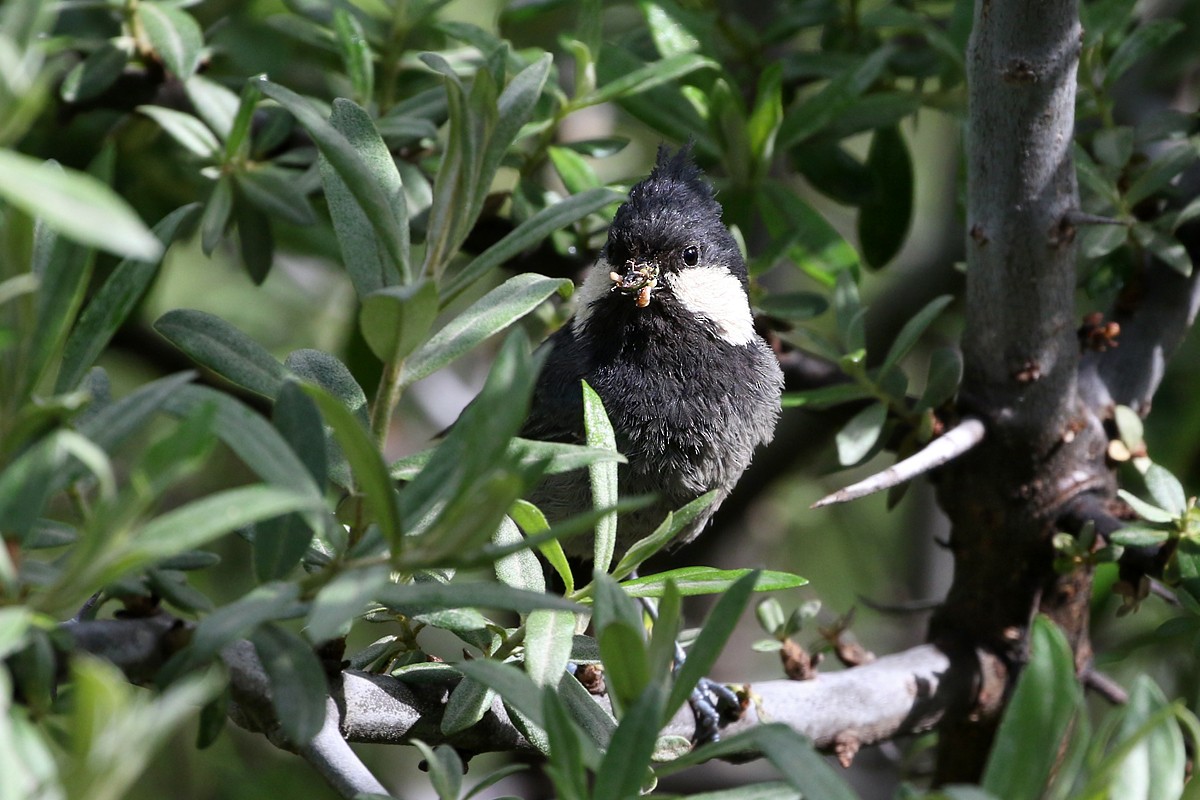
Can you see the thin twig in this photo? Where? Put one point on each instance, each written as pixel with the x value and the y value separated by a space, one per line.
pixel 1105 686
pixel 947 447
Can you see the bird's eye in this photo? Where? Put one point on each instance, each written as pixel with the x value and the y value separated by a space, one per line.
pixel 691 255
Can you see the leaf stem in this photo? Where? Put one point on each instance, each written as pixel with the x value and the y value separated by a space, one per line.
pixel 387 396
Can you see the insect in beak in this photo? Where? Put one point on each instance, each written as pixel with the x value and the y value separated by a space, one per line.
pixel 639 278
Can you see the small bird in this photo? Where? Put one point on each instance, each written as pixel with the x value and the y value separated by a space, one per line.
pixel 663 332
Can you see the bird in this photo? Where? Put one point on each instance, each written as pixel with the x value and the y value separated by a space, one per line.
pixel 663 332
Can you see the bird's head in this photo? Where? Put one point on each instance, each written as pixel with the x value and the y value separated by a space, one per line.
pixel 668 249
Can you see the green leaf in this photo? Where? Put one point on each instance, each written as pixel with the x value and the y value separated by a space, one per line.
pixel 28 481
pixel 692 581
pixel 548 639
pixel 1161 171
pixel 378 201
pixel 1114 146
pixel 910 334
pixel 1166 490
pixel 664 534
pixel 250 436
pixel 1145 39
pixel 409 596
pixel 233 621
pixel 467 704
pixel 1154 760
pixel 214 343
pixel 820 110
pixel 214 104
pixel 106 710
pixel 14 622
pixel 574 170
pixel 766 117
pixel 217 212
pixel 528 233
pixel 515 687
pixel 555 457
pixel 1147 511
pixel 185 129
pixel 63 271
pixel 113 424
pixel 565 766
pixel 280 543
pixel 858 436
pixel 521 568
pixel 802 235
pixel 113 303
pixel 708 645
pixel 341 600
pixel 807 772
pixel 395 320
pixel 365 251
pixel 514 108
pixel 298 689
pixel 826 396
pixel 793 306
pixel 594 719
pixel 626 663
pixel 237 144
pixel 275 192
pixel 75 205
pixel 1135 535
pixel 1046 701
pixel 331 375
pixel 487 316
pixel 175 36
pixel 533 522
pixel 96 73
pixel 356 54
pixel 834 172
pixel 627 763
pixel 602 476
pixel 370 473
pixel 945 373
pixel 663 108
pixel 1165 247
pixel 201 521
pixel 884 218
pixel 445 769
pixel 668 70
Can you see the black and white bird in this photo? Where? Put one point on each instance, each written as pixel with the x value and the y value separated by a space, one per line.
pixel 664 333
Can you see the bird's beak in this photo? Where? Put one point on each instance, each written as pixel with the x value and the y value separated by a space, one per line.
pixel 639 278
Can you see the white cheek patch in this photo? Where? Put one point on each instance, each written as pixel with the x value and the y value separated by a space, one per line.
pixel 596 284
pixel 715 294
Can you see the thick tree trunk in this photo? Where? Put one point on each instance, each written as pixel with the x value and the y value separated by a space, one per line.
pixel 1021 356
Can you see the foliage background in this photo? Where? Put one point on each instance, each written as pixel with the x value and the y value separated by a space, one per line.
pixel 849 553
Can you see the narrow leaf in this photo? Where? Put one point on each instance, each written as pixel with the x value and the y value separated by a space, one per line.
pixel 548 639
pixel 602 476
pixel 298 688
pixel 370 473
pixel 692 581
pixel 856 439
pixel 531 231
pixel 76 205
pixel 113 303
pixel 377 203
pixel 1046 700
pixel 174 34
pixel 489 315
pixel 214 343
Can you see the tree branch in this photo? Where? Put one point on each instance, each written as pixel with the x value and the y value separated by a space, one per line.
pixel 1153 324
pixel 947 447
pixel 900 694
